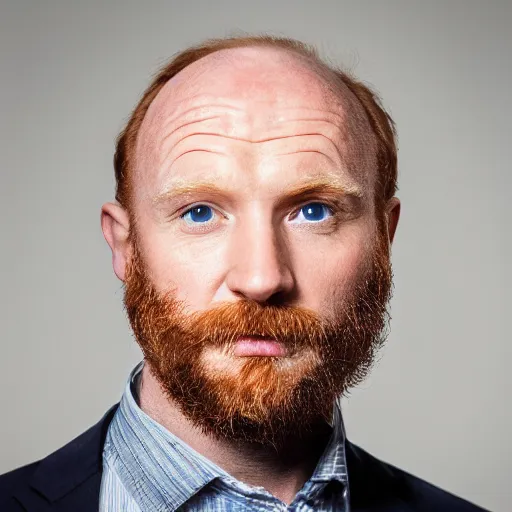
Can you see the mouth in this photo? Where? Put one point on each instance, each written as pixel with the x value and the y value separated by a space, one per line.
pixel 254 346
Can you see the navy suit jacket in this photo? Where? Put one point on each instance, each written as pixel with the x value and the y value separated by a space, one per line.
pixel 69 481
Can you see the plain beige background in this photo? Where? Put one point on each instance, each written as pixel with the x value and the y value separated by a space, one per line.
pixel 438 403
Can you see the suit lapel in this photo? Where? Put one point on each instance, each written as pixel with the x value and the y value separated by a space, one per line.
pixel 374 487
pixel 69 479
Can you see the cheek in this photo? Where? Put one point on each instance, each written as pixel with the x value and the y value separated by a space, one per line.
pixel 191 268
pixel 328 274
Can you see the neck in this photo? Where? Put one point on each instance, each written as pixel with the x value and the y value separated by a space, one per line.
pixel 281 473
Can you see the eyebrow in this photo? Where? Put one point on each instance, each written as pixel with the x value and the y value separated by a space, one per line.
pixel 302 191
pixel 177 191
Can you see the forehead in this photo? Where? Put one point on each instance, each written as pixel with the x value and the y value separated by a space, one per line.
pixel 256 74
pixel 253 95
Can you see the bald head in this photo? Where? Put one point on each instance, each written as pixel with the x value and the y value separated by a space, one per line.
pixel 256 100
pixel 369 131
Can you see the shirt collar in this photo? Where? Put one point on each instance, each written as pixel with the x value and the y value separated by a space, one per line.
pixel 157 468
pixel 332 464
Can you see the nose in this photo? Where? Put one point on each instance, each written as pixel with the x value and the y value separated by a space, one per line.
pixel 259 268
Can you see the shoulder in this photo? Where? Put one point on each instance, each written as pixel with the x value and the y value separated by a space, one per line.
pixel 13 480
pixel 10 479
pixel 71 476
pixel 373 481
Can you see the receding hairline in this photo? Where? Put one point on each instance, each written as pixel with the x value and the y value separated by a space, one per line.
pixel 337 93
pixel 305 56
pixel 363 105
pixel 312 62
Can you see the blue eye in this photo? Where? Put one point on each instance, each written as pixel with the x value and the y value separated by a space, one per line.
pixel 315 212
pixel 198 214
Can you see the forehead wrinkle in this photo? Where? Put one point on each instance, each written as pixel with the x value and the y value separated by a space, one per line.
pixel 274 81
pixel 204 106
pixel 323 126
pixel 201 109
pixel 311 147
pixel 254 141
pixel 227 129
pixel 173 158
pixel 198 112
pixel 157 119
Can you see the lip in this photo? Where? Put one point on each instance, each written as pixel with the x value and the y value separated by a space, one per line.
pixel 249 346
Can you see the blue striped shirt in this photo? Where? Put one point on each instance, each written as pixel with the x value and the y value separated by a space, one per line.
pixel 146 468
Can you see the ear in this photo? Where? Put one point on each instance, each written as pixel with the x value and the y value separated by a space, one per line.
pixel 115 224
pixel 392 216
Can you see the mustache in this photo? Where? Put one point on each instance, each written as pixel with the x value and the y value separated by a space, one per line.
pixel 222 325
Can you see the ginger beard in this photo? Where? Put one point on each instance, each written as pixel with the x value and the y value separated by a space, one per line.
pixel 263 400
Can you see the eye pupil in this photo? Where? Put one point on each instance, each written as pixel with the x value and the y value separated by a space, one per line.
pixel 201 214
pixel 313 211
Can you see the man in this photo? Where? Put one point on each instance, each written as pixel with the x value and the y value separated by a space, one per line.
pixel 252 227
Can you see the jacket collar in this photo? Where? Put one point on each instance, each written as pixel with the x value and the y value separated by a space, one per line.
pixel 374 486
pixel 75 467
pixel 70 478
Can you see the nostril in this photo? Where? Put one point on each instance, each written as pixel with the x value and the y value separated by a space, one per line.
pixel 279 298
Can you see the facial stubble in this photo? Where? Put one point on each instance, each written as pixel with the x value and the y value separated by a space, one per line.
pixel 261 400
